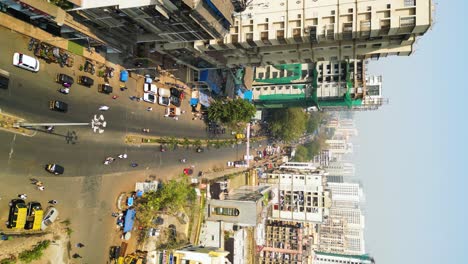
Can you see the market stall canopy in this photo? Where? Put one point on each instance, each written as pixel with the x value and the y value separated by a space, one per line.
pixel 129 220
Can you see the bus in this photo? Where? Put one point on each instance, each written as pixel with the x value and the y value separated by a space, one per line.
pixel 18 214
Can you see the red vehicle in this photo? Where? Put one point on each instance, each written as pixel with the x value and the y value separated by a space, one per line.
pixel 188 171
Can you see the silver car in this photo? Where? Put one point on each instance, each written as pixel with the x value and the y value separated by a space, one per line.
pixel 49 217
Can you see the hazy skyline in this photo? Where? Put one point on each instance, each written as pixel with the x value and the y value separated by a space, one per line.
pixel 411 151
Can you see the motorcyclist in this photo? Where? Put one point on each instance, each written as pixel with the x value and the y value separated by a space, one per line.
pixel 123 156
pixel 146 130
pixel 183 160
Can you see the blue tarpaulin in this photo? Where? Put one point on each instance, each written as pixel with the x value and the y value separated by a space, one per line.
pixel 129 219
pixel 248 95
pixel 194 101
pixel 130 201
pixel 123 76
pixel 139 193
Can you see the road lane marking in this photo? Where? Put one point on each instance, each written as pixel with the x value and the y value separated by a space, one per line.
pixel 12 145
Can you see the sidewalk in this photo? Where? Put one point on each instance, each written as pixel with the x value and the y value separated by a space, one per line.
pixel 7 124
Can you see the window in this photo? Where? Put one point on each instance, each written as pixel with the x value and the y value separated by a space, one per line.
pixel 333 12
pixel 350 10
pixel 226 211
pixel 410 2
pixel 389 6
pixel 369 8
pixel 377 45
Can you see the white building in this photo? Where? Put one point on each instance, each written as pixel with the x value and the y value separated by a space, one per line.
pixel 299 195
pixel 345 191
pixel 292 31
pixel 339 146
pixel 338 168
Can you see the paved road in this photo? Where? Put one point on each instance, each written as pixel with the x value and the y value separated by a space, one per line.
pixel 88 188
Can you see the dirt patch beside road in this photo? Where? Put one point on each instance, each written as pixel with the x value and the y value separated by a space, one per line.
pixel 57 252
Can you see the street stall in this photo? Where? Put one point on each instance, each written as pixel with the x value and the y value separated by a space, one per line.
pixel 129 220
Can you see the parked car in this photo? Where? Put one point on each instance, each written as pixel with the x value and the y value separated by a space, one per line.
pixel 177 93
pixel 58 106
pixel 149 97
pixel 55 168
pixel 18 214
pixel 25 62
pixel 49 217
pixel 63 78
pixel 164 101
pixel 85 81
pixel 150 88
pixel 153 232
pixel 164 92
pixel 175 101
pixel 105 88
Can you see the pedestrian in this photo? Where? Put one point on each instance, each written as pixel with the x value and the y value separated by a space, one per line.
pixel 183 112
pixel 149 109
pixel 41 188
pixel 53 202
pixel 80 245
pixel 115 97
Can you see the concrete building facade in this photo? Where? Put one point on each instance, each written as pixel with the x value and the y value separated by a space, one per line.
pixel 299 195
pixel 290 31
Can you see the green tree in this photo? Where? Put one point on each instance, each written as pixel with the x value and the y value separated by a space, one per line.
pixel 288 124
pixel 172 197
pixel 231 112
pixel 35 253
pixel 302 154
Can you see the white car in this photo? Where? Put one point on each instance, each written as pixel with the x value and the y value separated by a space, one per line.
pixel 150 98
pixel 164 92
pixel 26 62
pixel 165 101
pixel 150 88
pixel 49 217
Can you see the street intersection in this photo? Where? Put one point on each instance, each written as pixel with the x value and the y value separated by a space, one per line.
pixel 87 190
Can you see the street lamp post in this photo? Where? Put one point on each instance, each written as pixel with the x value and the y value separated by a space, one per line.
pixel 97 124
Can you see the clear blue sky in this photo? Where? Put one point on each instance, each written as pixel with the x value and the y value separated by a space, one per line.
pixel 411 154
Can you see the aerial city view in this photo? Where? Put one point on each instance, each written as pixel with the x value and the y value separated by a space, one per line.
pixel 232 131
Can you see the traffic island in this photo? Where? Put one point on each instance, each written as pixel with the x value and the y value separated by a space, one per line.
pixel 7 123
pixel 173 142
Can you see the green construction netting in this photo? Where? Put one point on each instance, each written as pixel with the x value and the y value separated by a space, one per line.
pixel 282 97
pixel 295 69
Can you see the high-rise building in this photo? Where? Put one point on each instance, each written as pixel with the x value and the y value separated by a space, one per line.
pixel 332 258
pixel 353 216
pixel 299 194
pixel 291 31
pixel 286 241
pixel 322 84
pixel 339 147
pixel 338 168
pixel 345 191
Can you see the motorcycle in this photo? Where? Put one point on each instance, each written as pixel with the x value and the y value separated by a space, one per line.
pixel 89 67
pixel 184 160
pixel 108 160
pixel 122 156
pixel 32 42
pixel 146 130
pixel 64 90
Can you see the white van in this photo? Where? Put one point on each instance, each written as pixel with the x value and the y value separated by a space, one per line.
pixel 26 62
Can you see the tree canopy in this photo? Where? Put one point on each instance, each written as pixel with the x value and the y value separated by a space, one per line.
pixel 288 124
pixel 231 112
pixel 174 195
